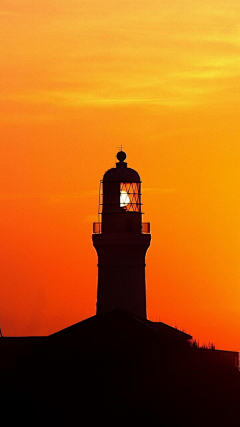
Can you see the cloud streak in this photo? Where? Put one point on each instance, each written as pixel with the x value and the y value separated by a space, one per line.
pixel 50 198
pixel 166 53
pixel 159 190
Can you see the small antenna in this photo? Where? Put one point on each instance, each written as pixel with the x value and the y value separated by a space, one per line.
pixel 120 148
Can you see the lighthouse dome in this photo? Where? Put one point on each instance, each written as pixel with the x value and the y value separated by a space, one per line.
pixel 121 173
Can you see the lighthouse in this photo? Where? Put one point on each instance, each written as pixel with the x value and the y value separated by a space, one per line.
pixel 121 241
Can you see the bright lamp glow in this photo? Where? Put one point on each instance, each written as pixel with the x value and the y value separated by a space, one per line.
pixel 124 198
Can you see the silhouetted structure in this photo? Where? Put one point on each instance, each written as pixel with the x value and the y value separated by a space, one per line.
pixel 121 241
pixel 117 366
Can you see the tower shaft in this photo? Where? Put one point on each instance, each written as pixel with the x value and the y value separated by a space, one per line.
pixel 121 272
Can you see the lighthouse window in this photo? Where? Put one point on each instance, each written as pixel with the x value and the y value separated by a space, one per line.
pixel 130 197
pixel 124 199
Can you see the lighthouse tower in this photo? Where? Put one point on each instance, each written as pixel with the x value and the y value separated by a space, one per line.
pixel 121 240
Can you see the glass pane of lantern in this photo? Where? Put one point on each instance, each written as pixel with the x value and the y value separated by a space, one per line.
pixel 124 198
pixel 130 197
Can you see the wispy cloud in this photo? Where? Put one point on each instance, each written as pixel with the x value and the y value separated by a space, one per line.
pixel 130 100
pixel 6 13
pixel 159 190
pixel 129 53
pixel 48 197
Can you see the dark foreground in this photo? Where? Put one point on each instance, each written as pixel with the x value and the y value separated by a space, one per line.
pixel 115 370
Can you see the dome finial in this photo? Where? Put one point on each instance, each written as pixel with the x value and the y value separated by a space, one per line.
pixel 121 155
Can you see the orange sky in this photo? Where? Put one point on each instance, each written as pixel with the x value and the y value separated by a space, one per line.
pixel 80 78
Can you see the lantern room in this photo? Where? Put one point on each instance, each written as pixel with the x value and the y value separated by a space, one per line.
pixel 120 201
